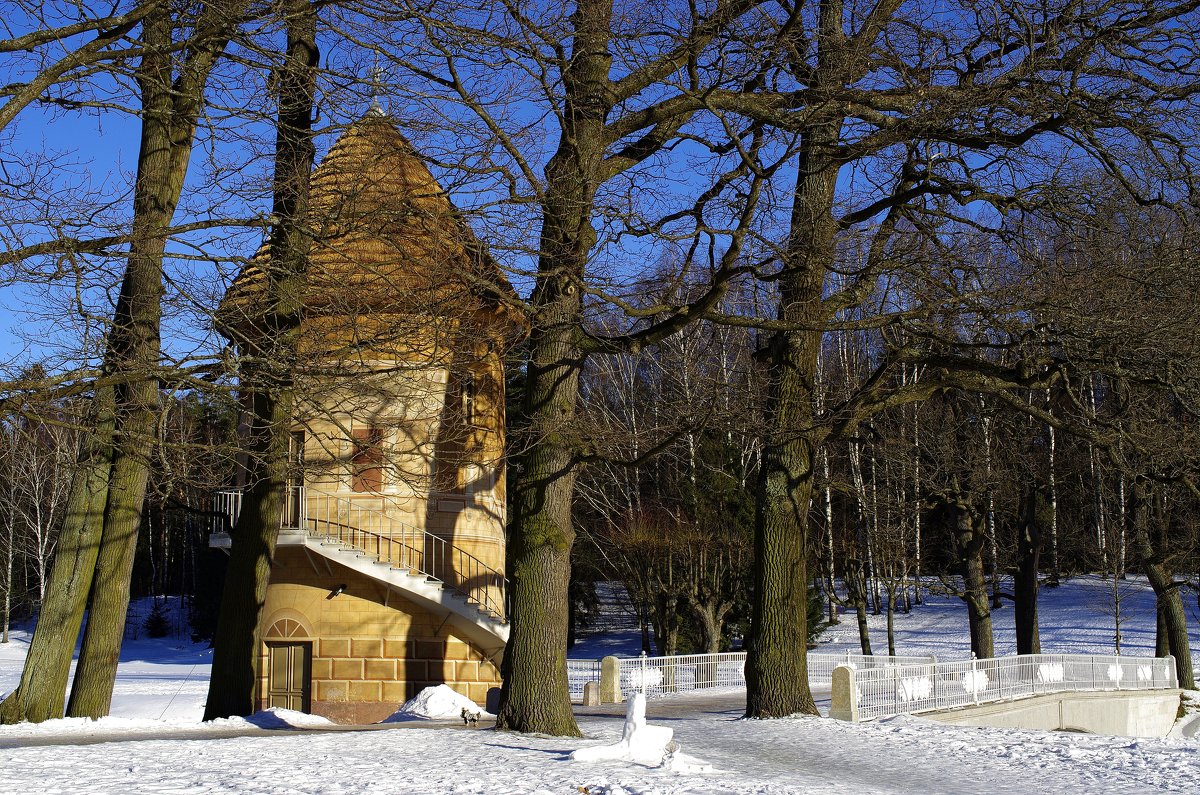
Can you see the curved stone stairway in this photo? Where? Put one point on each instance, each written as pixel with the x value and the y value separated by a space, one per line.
pixel 413 563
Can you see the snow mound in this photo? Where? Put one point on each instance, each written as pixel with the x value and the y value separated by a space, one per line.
pixel 277 718
pixel 679 762
pixel 647 745
pixel 1186 727
pixel 436 703
pixel 273 718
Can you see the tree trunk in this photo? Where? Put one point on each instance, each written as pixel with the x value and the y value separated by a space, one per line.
pixel 710 616
pixel 1055 572
pixel 1170 610
pixel 891 622
pixel 777 663
pixel 990 515
pixel 830 592
pixel 7 582
pixel 1162 642
pixel 169 113
pixel 271 349
pixel 42 691
pixel 571 619
pixel 535 697
pixel 666 624
pixel 1025 580
pixel 916 448
pixel 231 687
pixel 970 537
pixel 859 598
pixel 856 597
pixel 96 671
pixel 1175 624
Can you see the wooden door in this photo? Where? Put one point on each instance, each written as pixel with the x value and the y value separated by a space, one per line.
pixel 289 675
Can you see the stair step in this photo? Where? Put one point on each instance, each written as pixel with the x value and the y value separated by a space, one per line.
pixel 468 606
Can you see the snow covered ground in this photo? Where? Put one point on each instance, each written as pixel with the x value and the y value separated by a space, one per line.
pixel 161 689
pixel 1077 617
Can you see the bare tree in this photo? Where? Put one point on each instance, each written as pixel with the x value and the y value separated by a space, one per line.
pixel 268 336
pixel 935 111
pixel 97 553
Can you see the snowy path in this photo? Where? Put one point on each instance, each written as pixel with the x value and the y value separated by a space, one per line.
pixel 811 755
pixel 798 755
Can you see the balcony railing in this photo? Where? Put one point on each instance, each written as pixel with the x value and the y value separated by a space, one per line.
pixel 228 505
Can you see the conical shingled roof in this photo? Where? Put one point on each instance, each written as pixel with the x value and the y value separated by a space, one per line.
pixel 385 238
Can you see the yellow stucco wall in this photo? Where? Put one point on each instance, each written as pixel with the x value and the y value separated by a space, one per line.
pixel 372 650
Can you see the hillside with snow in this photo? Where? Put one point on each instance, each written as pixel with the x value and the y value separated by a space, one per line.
pixel 1078 617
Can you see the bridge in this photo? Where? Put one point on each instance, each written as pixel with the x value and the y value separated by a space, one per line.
pixel 1101 694
pixel 1128 696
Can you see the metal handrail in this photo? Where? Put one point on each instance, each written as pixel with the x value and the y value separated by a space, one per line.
pixel 683 672
pixel 395 543
pixel 227 506
pixel 883 685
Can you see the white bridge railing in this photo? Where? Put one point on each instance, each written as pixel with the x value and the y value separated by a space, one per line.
pixel 897 689
pixel 884 686
pixel 821 664
pixel 579 673
pixel 656 676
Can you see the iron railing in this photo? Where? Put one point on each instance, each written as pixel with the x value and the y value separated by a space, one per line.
pixel 821 664
pixel 579 673
pixel 227 505
pixel 363 526
pixel 906 689
pixel 681 673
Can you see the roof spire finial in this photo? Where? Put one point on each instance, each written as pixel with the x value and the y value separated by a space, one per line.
pixel 376 79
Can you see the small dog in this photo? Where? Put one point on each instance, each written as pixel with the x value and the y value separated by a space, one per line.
pixel 470 718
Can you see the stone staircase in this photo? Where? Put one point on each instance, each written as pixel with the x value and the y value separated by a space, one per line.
pixel 410 562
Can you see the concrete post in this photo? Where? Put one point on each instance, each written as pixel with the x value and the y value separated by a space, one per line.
pixel 610 681
pixel 845 695
pixel 591 694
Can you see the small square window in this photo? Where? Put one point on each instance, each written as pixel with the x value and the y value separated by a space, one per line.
pixel 366 463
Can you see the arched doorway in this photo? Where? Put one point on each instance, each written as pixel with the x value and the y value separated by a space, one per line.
pixel 289 665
